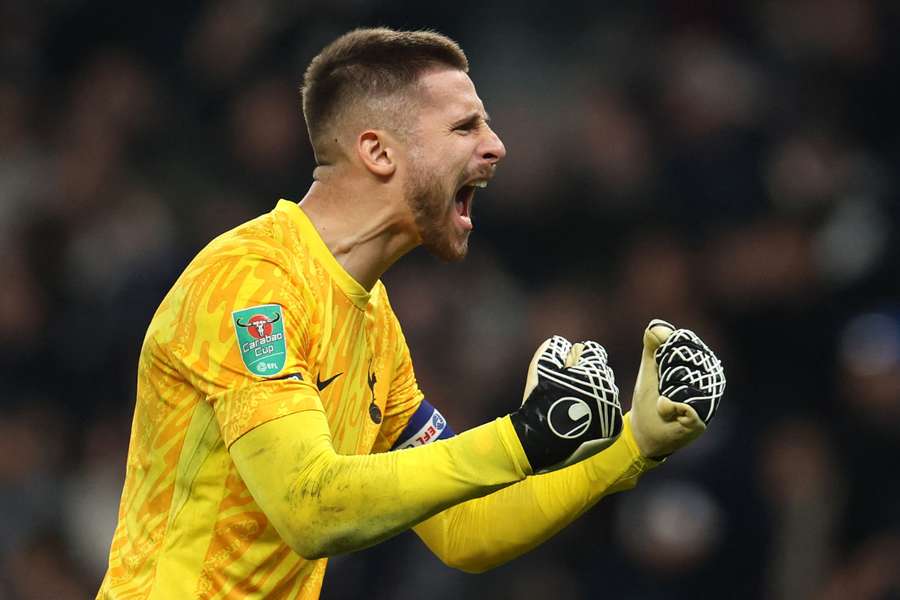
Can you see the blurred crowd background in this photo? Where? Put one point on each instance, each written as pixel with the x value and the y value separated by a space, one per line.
pixel 729 166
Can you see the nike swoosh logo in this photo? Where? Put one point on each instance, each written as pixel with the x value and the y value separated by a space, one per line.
pixel 324 384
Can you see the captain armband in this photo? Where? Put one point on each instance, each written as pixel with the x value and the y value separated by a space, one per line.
pixel 426 425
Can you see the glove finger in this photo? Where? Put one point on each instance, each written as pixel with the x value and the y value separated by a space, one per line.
pixel 592 362
pixel 593 353
pixel 574 355
pixel 678 390
pixel 687 416
pixel 684 354
pixel 685 345
pixel 687 336
pixel 703 406
pixel 667 410
pixel 656 334
pixel 606 379
pixel 531 378
pixel 555 351
pixel 692 424
pixel 687 354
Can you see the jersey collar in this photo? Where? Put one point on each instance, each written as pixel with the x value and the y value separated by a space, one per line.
pixel 351 288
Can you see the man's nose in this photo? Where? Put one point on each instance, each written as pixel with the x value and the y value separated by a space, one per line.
pixel 493 150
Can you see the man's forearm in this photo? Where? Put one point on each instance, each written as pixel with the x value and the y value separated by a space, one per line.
pixel 326 504
pixel 485 532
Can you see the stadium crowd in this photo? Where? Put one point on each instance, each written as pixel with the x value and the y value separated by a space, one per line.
pixel 729 166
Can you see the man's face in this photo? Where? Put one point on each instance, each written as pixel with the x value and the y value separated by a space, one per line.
pixel 452 151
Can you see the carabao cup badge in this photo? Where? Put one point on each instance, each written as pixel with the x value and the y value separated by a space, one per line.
pixel 260 337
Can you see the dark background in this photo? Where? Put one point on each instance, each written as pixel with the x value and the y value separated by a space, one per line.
pixel 729 166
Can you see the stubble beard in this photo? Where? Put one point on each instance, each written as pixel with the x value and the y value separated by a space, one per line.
pixel 428 203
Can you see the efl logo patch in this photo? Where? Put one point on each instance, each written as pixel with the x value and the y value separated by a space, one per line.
pixel 260 336
pixel 428 432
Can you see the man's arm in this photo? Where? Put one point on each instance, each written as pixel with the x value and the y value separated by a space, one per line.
pixel 481 534
pixel 486 532
pixel 323 503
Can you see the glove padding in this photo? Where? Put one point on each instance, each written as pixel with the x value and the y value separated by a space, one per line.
pixel 689 372
pixel 570 408
pixel 676 365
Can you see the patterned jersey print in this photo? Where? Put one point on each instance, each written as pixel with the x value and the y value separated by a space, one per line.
pixel 263 323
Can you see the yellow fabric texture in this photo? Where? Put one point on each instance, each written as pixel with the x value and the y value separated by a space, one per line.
pixel 324 503
pixel 188 526
pixel 485 532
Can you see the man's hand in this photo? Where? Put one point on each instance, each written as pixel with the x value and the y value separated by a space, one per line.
pixel 679 376
pixel 571 405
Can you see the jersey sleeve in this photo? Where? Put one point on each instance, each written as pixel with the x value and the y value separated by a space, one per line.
pixel 246 343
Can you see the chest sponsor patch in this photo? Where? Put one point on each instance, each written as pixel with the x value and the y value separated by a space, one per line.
pixel 260 337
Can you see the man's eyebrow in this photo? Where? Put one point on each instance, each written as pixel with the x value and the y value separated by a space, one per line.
pixel 472 117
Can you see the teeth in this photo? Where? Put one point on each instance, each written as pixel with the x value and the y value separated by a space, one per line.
pixel 480 184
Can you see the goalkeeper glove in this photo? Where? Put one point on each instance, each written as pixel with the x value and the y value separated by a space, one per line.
pixel 679 386
pixel 570 409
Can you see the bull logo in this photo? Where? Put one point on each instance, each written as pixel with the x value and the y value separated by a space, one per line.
pixel 259 326
pixel 260 338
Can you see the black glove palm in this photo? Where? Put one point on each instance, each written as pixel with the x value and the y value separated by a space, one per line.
pixel 571 405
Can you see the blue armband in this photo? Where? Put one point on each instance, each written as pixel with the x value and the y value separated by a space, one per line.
pixel 426 425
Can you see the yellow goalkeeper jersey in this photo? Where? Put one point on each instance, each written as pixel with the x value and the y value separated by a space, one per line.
pixel 265 302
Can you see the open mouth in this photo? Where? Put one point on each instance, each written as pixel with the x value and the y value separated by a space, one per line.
pixel 464 197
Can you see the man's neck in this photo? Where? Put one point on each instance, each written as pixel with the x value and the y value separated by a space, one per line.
pixel 366 231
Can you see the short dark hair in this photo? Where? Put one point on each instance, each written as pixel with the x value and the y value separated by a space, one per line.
pixel 369 63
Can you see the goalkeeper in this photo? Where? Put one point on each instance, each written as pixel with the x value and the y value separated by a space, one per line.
pixel 278 421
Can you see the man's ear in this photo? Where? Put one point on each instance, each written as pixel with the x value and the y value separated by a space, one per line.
pixel 376 151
